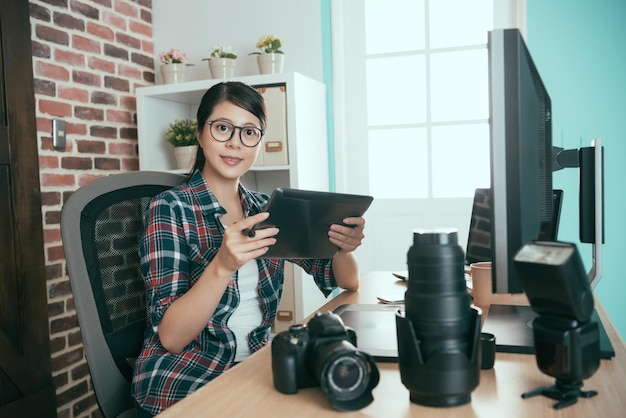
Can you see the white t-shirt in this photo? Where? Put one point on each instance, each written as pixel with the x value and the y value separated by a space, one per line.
pixel 248 314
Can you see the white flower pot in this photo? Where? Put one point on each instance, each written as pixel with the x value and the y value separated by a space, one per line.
pixel 270 63
pixel 222 67
pixel 174 73
pixel 186 156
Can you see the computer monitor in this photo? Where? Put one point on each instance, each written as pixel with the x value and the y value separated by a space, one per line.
pixel 478 247
pixel 520 154
pixel 521 193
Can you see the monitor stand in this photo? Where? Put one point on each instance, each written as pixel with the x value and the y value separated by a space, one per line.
pixel 512 326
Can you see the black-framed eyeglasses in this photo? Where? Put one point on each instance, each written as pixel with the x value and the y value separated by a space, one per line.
pixel 223 131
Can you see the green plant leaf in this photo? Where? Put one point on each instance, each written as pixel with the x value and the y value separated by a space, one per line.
pixel 182 132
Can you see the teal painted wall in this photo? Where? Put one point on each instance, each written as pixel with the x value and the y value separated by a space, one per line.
pixel 579 48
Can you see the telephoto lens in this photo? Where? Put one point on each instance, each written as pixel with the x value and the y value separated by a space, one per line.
pixel 439 331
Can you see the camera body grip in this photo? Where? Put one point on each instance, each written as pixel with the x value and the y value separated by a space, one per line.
pixel 288 352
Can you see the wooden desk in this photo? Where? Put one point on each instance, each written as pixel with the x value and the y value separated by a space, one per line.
pixel 247 390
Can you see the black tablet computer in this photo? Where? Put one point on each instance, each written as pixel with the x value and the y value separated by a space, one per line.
pixel 304 218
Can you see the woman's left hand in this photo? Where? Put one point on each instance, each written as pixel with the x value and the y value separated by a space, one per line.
pixel 347 238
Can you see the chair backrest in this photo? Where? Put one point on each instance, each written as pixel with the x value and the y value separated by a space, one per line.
pixel 100 225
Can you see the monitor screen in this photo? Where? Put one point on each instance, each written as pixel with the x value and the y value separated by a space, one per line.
pixel 521 154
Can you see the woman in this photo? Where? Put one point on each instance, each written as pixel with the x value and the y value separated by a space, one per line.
pixel 211 301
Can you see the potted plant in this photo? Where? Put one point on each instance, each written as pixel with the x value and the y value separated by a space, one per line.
pixel 270 57
pixel 182 134
pixel 222 61
pixel 173 66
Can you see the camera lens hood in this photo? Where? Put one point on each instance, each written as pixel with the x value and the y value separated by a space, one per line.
pixel 347 378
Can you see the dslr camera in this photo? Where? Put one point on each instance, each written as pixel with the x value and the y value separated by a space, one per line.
pixel 323 353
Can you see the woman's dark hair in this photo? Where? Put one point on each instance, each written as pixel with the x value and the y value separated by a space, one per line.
pixel 239 94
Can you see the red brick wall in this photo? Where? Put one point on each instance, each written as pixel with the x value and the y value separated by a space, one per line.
pixel 88 59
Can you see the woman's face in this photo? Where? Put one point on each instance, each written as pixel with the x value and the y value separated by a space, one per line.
pixel 231 159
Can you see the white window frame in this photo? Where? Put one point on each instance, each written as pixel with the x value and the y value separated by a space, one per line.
pixel 507 14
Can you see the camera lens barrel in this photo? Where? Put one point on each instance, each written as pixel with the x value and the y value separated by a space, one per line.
pixel 345 374
pixel 435 262
pixel 436 300
pixel 439 331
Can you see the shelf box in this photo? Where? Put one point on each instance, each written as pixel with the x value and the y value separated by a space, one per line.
pixel 274 151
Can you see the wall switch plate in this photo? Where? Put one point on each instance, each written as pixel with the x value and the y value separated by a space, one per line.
pixel 58 134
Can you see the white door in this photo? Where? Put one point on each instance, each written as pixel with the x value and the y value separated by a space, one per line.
pixel 411 114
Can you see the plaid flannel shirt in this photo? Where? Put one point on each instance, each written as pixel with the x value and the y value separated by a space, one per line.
pixel 182 235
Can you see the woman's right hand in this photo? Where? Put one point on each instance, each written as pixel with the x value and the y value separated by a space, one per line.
pixel 240 246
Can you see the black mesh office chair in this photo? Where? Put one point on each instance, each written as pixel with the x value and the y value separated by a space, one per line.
pixel 100 226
